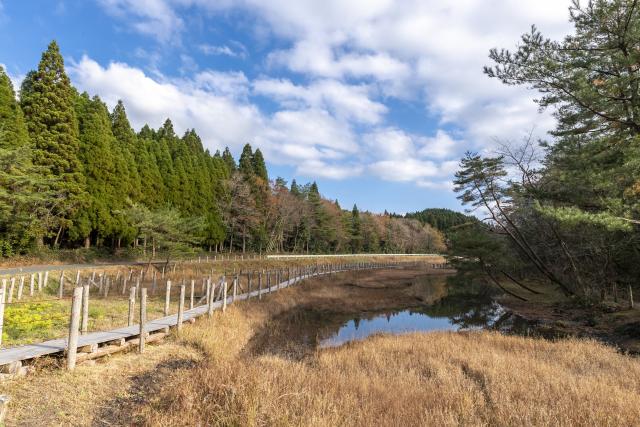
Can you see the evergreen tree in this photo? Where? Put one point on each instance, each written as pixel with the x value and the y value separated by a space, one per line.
pixel 245 164
pixel 227 157
pixel 164 139
pixel 23 195
pixel 295 190
pixel 126 144
pixel 47 100
pixel 11 117
pixel 356 231
pixel 152 192
pixel 259 166
pixel 103 215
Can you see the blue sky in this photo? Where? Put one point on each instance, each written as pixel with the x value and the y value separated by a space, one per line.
pixel 374 99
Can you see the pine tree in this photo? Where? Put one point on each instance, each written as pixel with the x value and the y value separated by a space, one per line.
pixel 229 161
pixel 22 189
pixel 356 230
pixel 126 145
pixel 47 100
pixel 104 185
pixel 161 148
pixel 11 118
pixel 259 167
pixel 295 190
pixel 245 164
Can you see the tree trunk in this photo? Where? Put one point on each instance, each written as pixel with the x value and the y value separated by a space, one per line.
pixel 244 238
pixel 56 242
pixel 87 242
pixel 493 279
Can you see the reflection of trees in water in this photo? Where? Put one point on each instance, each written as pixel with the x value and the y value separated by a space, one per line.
pixel 466 303
pixel 466 311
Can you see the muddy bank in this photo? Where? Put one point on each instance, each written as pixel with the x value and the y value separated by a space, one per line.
pixel 320 308
pixel 613 323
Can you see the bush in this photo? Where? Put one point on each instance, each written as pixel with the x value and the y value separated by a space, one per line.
pixel 33 320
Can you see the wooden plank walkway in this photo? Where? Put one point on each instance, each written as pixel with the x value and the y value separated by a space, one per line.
pixel 31 351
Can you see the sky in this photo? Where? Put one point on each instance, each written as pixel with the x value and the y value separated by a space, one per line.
pixel 375 100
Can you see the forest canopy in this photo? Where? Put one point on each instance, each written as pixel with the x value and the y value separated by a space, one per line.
pixel 76 174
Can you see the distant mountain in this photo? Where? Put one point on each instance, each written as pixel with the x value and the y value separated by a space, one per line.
pixel 440 218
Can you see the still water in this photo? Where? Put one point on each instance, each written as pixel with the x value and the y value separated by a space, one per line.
pixel 448 306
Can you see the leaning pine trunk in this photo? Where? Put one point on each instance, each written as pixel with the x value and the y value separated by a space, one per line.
pixel 56 242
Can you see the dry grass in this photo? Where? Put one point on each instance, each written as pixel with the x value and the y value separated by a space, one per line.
pixel 418 379
pixel 83 397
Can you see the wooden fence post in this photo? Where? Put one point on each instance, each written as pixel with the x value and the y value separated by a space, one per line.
pixel 40 281
pixel 46 278
pixel 78 278
pixel 61 286
pixel 143 319
pixel 3 290
pixel 124 284
pixel 74 323
pixel 268 281
pixel 106 287
pixel 167 298
pixel 13 284
pixel 85 309
pixel 31 284
pixel 193 285
pixel 154 283
pixel 235 289
pixel 210 296
pixel 181 308
pixel 249 284
pixel 206 286
pixel 20 288
pixel 132 304
pixel 260 285
pixel 224 295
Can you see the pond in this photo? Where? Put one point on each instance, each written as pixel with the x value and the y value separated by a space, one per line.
pixel 447 307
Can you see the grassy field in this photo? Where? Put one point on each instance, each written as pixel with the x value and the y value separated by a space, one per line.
pixel 246 368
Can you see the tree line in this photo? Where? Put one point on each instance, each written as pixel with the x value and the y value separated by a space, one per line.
pixel 565 211
pixel 75 174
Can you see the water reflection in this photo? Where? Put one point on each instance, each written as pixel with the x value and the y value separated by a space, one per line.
pixel 448 304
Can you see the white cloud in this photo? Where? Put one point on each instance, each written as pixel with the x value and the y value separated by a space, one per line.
pixel 440 146
pixel 310 128
pixel 312 139
pixel 403 170
pixel 349 102
pixel 225 50
pixel 232 84
pixel 353 57
pixel 390 143
pixel 436 185
pixel 152 17
pixel 218 118
pixel 318 168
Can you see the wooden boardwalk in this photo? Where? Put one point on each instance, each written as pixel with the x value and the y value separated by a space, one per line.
pixel 32 351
